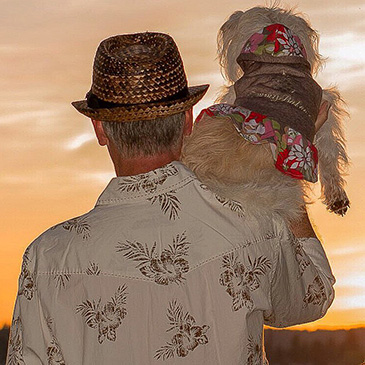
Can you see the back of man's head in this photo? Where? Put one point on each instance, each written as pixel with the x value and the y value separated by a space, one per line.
pixel 140 93
pixel 147 137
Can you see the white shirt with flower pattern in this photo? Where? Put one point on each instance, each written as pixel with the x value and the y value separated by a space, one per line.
pixel 163 271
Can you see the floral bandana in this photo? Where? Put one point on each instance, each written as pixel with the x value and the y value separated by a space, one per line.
pixel 294 155
pixel 275 40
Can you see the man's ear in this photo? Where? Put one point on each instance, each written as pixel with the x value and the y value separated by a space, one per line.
pixel 188 127
pixel 99 131
pixel 322 115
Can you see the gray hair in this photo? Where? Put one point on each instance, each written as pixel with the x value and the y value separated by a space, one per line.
pixel 146 137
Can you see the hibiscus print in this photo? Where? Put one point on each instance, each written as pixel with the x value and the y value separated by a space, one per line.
pixel 167 268
pixel 254 351
pixel 293 154
pixel 78 225
pixel 300 155
pixel 237 113
pixel 253 43
pixel 241 280
pixel 291 45
pixel 15 351
pixel 105 318
pixel 299 159
pixel 269 317
pixel 27 284
pixel 253 129
pixel 224 109
pixel 315 293
pixel 187 335
pixel 149 182
pixel 26 279
pixel 300 256
pixel 54 353
pixel 285 168
pixel 276 40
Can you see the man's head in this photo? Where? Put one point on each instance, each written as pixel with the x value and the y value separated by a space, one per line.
pixel 151 137
pixel 139 97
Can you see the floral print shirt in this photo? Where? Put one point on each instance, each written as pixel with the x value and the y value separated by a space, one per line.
pixel 163 271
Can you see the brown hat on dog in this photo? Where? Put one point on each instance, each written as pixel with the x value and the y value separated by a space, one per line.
pixel 277 79
pixel 138 77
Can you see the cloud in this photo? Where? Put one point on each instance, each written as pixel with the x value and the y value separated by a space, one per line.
pixel 33 116
pixel 352 249
pixel 346 59
pixel 350 302
pixel 356 280
pixel 79 141
pixel 100 177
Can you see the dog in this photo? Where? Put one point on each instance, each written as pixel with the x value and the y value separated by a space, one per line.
pixel 239 170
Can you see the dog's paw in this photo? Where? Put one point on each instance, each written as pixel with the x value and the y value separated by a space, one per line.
pixel 339 207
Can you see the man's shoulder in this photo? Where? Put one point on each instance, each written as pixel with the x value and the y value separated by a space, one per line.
pixel 60 237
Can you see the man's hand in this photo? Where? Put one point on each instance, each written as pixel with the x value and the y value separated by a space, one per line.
pixel 322 115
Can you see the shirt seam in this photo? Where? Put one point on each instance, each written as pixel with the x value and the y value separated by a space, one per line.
pixel 71 272
pixel 235 249
pixel 195 267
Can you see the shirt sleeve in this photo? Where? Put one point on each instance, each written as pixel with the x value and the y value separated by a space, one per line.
pixel 302 282
pixel 30 337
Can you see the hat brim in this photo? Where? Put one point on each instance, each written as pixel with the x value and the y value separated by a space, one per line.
pixel 134 112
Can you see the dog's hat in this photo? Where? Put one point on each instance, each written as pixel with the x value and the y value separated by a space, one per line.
pixel 279 82
pixel 138 77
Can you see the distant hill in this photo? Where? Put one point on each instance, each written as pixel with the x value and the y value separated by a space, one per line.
pixel 285 347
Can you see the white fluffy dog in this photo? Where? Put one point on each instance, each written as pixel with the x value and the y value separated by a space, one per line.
pixel 239 170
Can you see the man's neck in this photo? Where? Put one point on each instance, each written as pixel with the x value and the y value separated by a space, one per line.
pixel 143 164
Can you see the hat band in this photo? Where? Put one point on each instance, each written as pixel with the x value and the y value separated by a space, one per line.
pixel 94 102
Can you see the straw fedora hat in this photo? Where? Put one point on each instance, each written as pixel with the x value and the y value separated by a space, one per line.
pixel 138 77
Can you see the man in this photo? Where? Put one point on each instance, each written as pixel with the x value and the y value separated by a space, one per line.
pixel 162 270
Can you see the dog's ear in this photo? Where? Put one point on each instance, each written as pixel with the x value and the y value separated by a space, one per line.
pixel 230 41
pixel 226 94
pixel 333 159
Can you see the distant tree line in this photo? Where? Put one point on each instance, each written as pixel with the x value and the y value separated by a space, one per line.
pixel 341 347
pixel 285 347
pixel 4 335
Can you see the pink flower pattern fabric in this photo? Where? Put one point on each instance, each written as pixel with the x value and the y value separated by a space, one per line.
pixel 293 154
pixel 275 40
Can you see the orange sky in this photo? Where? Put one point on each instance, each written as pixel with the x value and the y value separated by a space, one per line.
pixel 52 168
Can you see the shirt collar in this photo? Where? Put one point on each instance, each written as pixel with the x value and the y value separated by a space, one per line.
pixel 155 182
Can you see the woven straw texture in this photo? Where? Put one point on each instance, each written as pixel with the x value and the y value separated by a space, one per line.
pixel 141 73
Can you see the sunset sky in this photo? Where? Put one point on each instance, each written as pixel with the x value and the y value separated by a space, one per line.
pixel 51 166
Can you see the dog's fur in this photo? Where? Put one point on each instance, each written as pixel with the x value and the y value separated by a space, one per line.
pixel 245 172
pixel 239 170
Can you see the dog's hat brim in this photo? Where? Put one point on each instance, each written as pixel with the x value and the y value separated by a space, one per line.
pixel 145 111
